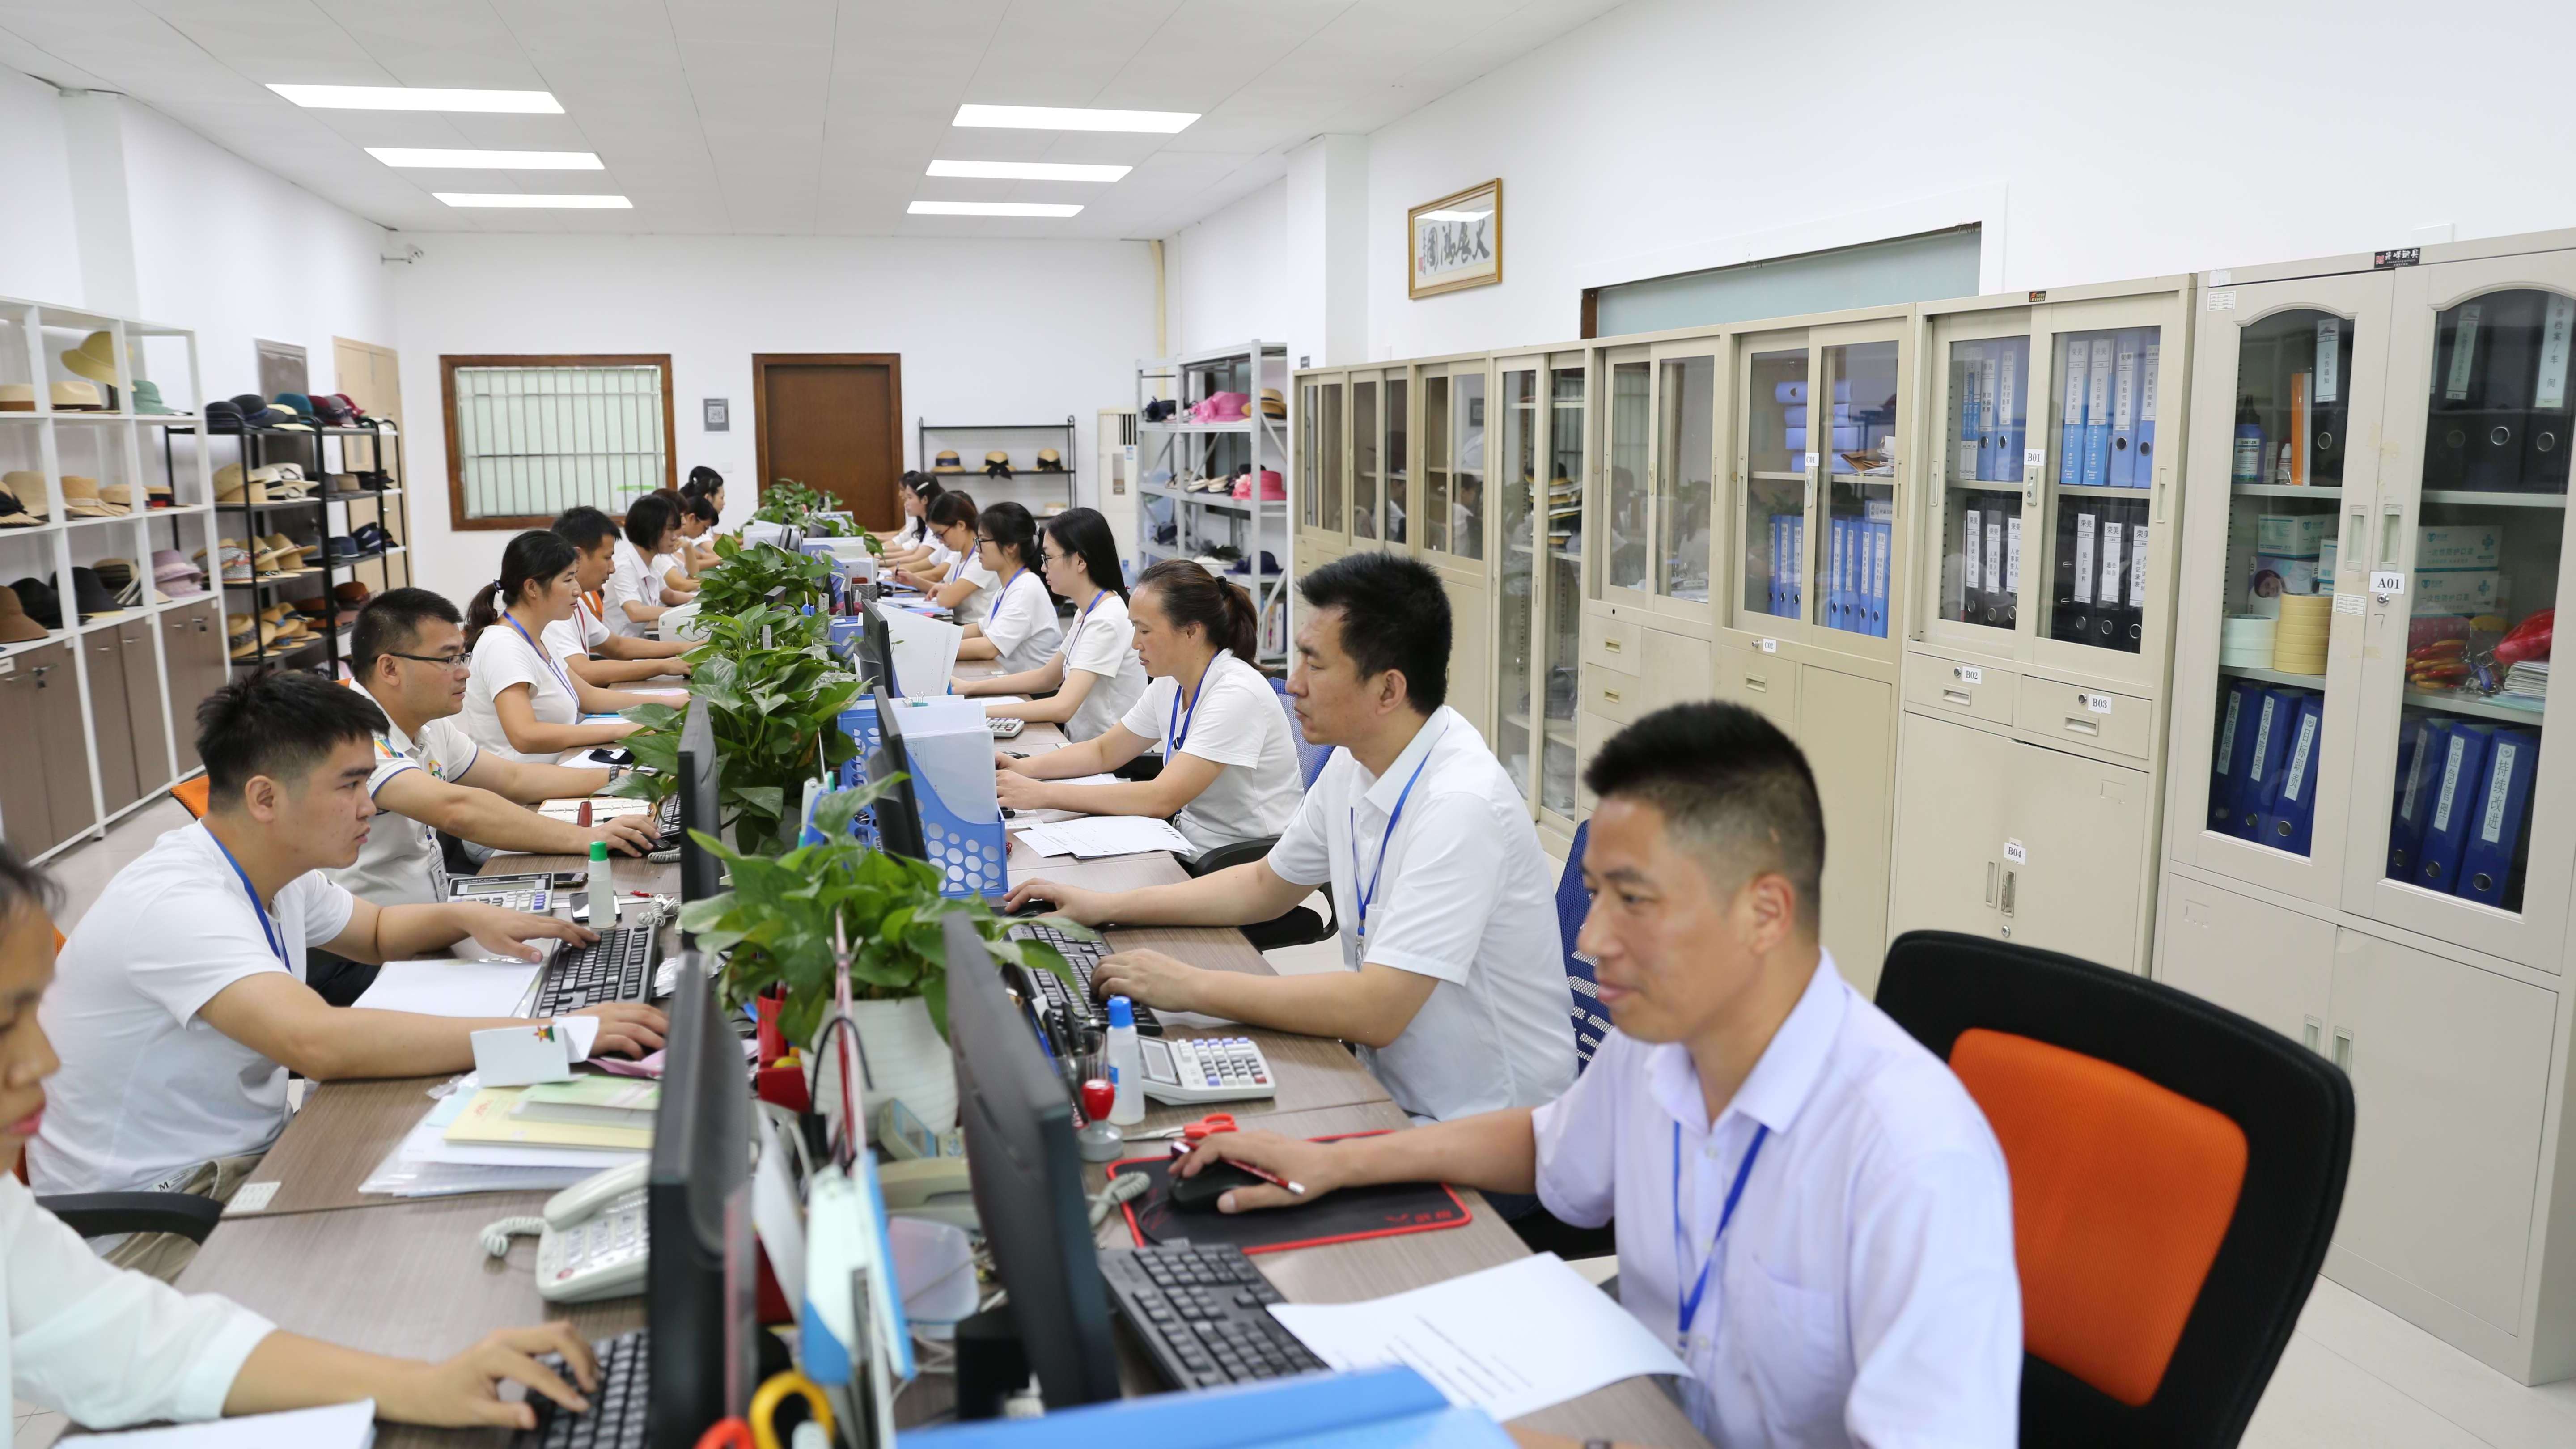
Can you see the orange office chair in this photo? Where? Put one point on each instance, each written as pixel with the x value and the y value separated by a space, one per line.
pixel 191 793
pixel 2176 1174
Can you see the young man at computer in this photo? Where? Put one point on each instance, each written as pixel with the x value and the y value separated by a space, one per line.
pixel 110 1347
pixel 1455 990
pixel 409 653
pixel 584 644
pixel 182 1003
pixel 1809 1205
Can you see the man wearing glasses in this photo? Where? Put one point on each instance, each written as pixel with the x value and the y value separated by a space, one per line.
pixel 409 654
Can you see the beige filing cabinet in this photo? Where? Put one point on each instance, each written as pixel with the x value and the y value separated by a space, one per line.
pixel 1541 481
pixel 1452 529
pixel 1323 464
pixel 1819 454
pixel 2386 878
pixel 2035 661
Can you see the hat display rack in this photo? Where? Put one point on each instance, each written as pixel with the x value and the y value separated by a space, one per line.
pixel 310 520
pixel 996 461
pixel 1212 466
pixel 105 646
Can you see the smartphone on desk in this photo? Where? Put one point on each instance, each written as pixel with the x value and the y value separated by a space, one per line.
pixel 593 1245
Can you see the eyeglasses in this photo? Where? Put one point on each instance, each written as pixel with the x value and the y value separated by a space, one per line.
pixel 454 660
pixel 982 539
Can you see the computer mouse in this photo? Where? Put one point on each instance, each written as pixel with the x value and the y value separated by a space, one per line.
pixel 1032 907
pixel 1199 1194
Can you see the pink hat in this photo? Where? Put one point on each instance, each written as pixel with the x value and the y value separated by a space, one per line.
pixel 1222 407
pixel 1273 488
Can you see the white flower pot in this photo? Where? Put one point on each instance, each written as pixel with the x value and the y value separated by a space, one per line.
pixel 906 1060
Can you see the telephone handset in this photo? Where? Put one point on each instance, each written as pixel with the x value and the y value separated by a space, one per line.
pixel 590 1242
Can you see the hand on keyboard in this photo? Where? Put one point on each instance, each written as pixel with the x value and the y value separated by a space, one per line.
pixel 1150 978
pixel 460 1392
pixel 506 932
pixel 628 1028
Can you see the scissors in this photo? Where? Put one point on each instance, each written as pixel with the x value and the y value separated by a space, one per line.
pixel 1207 1126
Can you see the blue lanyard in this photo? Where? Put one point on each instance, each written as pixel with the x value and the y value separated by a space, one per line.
pixel 1176 731
pixel 1369 893
pixel 1085 619
pixel 545 659
pixel 268 930
pixel 1689 1306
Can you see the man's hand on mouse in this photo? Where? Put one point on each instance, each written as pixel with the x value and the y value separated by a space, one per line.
pixel 1312 1165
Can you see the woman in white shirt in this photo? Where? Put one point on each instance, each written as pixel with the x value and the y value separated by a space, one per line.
pixel 962 584
pixel 636 593
pixel 520 700
pixel 696 553
pixel 1096 677
pixel 1016 623
pixel 1229 770
pixel 912 544
pixel 109 1347
pixel 705 486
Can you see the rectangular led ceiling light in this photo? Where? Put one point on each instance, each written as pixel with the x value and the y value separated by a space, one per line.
pixel 467 160
pixel 1028 170
pixel 1073 118
pixel 993 208
pixel 419 98
pixel 534 199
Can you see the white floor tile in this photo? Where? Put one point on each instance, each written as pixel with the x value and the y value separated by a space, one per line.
pixel 2318 1399
pixel 84 870
pixel 2480 1400
pixel 39 1431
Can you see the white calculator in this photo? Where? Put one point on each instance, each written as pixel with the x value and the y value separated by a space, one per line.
pixel 1205 1069
pixel 1004 729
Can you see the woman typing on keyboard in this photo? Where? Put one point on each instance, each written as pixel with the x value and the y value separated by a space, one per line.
pixel 1095 678
pixel 108 1346
pixel 1229 769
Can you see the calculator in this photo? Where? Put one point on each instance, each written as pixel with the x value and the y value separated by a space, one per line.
pixel 1004 729
pixel 1204 1069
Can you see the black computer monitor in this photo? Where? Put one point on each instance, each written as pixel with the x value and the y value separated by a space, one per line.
pixel 701 781
pixel 898 813
pixel 880 648
pixel 700 1282
pixel 1027 1178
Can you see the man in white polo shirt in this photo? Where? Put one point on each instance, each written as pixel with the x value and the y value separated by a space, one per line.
pixel 409 653
pixel 1455 991
pixel 1809 1206
pixel 583 644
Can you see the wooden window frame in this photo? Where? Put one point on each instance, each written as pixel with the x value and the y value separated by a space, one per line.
pixel 447 365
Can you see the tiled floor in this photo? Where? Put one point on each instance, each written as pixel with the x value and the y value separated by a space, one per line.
pixel 2355 1376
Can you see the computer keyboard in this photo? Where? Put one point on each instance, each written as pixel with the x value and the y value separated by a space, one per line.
pixel 1203 1312
pixel 616 1417
pixel 616 967
pixel 1082 1006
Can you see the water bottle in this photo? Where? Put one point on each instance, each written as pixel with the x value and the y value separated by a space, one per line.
pixel 1126 1064
pixel 2248 463
pixel 603 888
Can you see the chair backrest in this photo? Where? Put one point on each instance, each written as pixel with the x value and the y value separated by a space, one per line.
pixel 192 794
pixel 1310 758
pixel 2176 1175
pixel 1573 902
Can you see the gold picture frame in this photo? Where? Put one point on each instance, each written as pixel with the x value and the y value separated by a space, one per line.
pixel 1455 242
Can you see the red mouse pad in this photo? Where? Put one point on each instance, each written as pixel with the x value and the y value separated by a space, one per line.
pixel 1346 1216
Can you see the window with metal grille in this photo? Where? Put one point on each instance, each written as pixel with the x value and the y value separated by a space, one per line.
pixel 528 437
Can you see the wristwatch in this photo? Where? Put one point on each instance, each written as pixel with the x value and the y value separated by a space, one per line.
pixel 613 772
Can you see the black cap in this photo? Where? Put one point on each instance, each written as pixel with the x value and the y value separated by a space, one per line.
pixel 38 599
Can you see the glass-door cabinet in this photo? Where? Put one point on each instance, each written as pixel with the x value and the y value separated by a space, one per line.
pixel 1323 462
pixel 1658 493
pixel 1565 387
pixel 1522 499
pixel 2288 409
pixel 1820 432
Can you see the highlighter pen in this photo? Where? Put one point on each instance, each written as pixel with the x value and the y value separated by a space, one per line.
pixel 1183 1149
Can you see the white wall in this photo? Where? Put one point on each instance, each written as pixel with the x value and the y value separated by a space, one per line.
pixel 2108 141
pixel 1228 277
pixel 39 245
pixel 993 331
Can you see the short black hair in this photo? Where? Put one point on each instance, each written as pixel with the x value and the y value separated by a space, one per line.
pixel 648 518
pixel 391 621
pixel 1395 615
pixel 699 506
pixel 279 723
pixel 952 508
pixel 23 885
pixel 1725 779
pixel 584 527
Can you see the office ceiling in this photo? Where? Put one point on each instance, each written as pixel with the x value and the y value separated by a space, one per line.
pixel 784 117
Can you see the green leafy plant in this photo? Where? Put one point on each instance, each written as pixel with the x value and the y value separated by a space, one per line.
pixel 748 576
pixel 776 925
pixel 787 501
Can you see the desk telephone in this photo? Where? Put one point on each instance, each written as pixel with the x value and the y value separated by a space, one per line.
pixel 590 1242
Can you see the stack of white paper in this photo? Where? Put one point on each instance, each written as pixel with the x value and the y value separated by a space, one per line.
pixel 338 1426
pixel 451 988
pixel 426 1164
pixel 1089 837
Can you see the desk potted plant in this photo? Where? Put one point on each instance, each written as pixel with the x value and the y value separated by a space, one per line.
pixel 777 927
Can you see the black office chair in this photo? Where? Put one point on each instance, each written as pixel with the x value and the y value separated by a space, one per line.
pixel 1300 927
pixel 96 1214
pixel 2176 1174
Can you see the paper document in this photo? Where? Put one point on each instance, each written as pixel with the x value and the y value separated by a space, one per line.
pixel 1510 1340
pixel 602 808
pixel 338 1426
pixel 451 988
pixel 1089 837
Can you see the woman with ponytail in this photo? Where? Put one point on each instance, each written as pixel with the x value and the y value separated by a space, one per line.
pixel 1229 767
pixel 519 700
pixel 1096 677
pixel 912 544
pixel 1016 622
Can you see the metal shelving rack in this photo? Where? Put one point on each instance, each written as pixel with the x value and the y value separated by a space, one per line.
pixel 923 429
pixel 1172 450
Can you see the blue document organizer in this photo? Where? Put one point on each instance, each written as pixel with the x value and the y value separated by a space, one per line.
pixel 2496 825
pixel 2262 780
pixel 2097 414
pixel 2124 410
pixel 2453 786
pixel 1379 1408
pixel 2234 745
pixel 2417 768
pixel 2150 355
pixel 2070 413
pixel 2291 821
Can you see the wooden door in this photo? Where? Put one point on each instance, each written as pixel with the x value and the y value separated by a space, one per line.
pixel 370 375
pixel 829 421
pixel 26 819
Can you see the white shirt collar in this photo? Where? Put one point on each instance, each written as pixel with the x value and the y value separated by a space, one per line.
pixel 1383 791
pixel 1780 1083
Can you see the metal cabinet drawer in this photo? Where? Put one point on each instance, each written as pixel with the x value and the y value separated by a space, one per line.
pixel 1970 691
pixel 1612 643
pixel 2121 723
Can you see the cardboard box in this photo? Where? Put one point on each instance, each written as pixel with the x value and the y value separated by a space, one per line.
pixel 2457 546
pixel 2457 591
pixel 2292 535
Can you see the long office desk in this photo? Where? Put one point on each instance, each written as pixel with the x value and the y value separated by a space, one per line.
pixel 410 1276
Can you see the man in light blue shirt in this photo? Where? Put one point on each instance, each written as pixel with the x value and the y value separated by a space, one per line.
pixel 1810 1207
